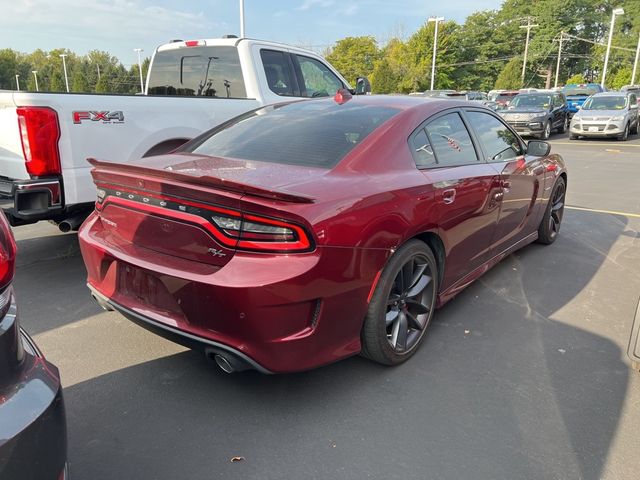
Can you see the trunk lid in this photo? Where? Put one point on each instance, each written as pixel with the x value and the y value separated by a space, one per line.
pixel 167 204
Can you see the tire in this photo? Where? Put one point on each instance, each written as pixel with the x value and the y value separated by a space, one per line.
pixel 625 135
pixel 552 219
pixel 546 132
pixel 573 137
pixel 382 337
pixel 634 130
pixel 565 125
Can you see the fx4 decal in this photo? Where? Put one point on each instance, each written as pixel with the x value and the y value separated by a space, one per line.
pixel 104 117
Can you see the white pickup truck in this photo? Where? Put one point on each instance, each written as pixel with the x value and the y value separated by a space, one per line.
pixel 192 86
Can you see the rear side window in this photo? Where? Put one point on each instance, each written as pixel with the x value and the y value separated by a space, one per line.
pixel 315 134
pixel 319 81
pixel 277 69
pixel 499 143
pixel 450 141
pixel 197 71
pixel 422 151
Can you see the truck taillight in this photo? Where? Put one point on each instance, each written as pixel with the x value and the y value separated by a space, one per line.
pixel 40 132
pixel 7 252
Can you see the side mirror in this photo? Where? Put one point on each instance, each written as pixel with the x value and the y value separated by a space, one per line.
pixel 363 86
pixel 538 148
pixel 633 106
pixel 578 107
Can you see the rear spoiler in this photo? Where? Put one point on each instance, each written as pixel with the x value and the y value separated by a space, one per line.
pixel 205 181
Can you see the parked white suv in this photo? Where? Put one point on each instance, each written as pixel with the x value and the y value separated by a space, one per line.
pixel 606 114
pixel 192 86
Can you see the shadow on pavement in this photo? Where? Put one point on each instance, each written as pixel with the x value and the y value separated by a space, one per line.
pixel 499 390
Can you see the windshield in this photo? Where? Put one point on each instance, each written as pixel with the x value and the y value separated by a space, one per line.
pixel 506 96
pixel 605 103
pixel 580 90
pixel 311 133
pixel 197 71
pixel 533 101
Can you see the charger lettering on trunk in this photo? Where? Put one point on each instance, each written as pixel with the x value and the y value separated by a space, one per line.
pixel 95 116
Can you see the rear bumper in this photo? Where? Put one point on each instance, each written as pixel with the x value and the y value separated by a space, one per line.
pixel 280 313
pixel 33 437
pixel 27 201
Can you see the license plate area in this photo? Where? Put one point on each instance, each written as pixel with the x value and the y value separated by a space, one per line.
pixel 144 289
pixel 593 129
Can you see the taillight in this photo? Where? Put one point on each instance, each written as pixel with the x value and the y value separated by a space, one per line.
pixel 263 234
pixel 7 252
pixel 40 132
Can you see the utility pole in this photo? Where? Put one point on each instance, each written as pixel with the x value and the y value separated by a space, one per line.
pixel 528 26
pixel 241 18
pixel 64 65
pixel 139 50
pixel 635 64
pixel 98 65
pixel 614 13
pixel 35 75
pixel 555 84
pixel 437 21
pixel 17 82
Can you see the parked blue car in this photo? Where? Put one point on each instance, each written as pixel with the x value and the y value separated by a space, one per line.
pixel 577 93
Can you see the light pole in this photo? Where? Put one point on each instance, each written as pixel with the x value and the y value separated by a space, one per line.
pixel 17 82
pixel 64 66
pixel 635 64
pixel 437 21
pixel 241 18
pixel 139 50
pixel 35 75
pixel 555 85
pixel 614 13
pixel 528 26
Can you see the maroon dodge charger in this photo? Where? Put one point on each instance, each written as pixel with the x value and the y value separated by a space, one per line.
pixel 302 233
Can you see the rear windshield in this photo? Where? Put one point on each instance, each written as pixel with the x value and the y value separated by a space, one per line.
pixel 308 133
pixel 505 96
pixel 580 90
pixel 197 71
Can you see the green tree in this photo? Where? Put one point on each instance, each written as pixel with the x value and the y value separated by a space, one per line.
pixel 621 78
pixel 79 82
pixel 577 78
pixel 510 76
pixel 354 57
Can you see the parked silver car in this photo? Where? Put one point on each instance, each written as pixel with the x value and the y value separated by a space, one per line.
pixel 607 114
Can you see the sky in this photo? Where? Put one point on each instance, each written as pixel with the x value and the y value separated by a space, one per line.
pixel 119 26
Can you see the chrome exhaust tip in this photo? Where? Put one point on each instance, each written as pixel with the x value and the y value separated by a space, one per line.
pixel 223 363
pixel 103 304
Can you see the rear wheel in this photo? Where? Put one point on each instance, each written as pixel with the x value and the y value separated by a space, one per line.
pixel 564 126
pixel 550 224
pixel 402 305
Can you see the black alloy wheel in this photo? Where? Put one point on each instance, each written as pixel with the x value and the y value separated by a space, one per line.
pixel 402 305
pixel 550 225
pixel 565 125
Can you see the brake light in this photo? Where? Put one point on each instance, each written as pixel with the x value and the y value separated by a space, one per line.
pixel 263 234
pixel 193 43
pixel 40 132
pixel 8 251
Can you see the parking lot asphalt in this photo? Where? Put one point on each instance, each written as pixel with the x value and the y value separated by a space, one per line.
pixel 523 376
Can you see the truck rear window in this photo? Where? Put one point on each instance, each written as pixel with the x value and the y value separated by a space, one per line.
pixel 197 71
pixel 308 133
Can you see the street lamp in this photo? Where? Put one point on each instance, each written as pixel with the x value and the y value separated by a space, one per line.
pixel 64 66
pixel 241 18
pixel 17 82
pixel 437 21
pixel 35 75
pixel 139 50
pixel 614 13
